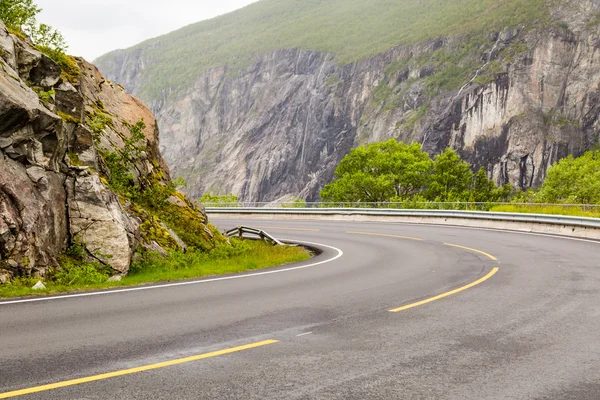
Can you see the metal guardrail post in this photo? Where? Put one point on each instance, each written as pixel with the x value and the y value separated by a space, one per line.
pixel 264 236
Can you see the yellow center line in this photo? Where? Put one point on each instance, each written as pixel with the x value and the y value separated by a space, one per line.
pixel 282 228
pixel 129 371
pixel 473 250
pixel 385 235
pixel 450 293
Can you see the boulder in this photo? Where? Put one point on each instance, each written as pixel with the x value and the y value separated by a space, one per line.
pixel 39 286
pixel 98 220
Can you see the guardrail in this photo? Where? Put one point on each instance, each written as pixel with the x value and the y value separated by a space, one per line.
pixel 450 206
pixel 565 221
pixel 241 230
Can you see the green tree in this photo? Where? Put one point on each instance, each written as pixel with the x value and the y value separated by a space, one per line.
pixel 379 172
pixel 485 190
pixel 19 15
pixel 574 180
pixel 451 178
pixel 48 39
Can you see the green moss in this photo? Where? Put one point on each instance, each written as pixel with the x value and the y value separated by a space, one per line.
pixel 152 231
pixel 74 158
pixel 68 118
pixel 45 96
pixel 17 32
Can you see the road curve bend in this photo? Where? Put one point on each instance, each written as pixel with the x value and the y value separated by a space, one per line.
pixel 387 311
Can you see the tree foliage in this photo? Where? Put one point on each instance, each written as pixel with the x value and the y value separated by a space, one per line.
pixel 399 172
pixel 573 180
pixel 20 16
pixel 450 179
pixel 379 172
pixel 47 38
pixel 485 190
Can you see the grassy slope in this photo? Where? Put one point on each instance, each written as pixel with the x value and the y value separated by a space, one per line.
pixel 250 255
pixel 352 29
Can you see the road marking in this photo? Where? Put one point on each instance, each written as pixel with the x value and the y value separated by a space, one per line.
pixel 443 295
pixel 281 228
pixel 508 231
pixel 340 253
pixel 304 334
pixel 130 371
pixel 385 235
pixel 491 257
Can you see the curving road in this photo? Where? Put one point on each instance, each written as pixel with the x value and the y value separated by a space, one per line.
pixel 528 330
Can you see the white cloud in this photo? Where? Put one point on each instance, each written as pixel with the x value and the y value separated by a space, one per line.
pixel 93 28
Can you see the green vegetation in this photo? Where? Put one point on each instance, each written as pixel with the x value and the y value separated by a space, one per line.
pixel 351 29
pixel 239 256
pixel 98 121
pixel 570 210
pixel 150 196
pixel 406 177
pixel 212 200
pixel 296 203
pixel 20 16
pixel 573 180
pixel 68 118
pixel 45 96
pixel 397 172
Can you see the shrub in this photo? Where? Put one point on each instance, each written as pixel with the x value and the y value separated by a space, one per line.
pixel 18 14
pixel 228 200
pixel 73 273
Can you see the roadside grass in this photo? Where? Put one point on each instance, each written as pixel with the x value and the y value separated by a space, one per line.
pixel 574 211
pixel 241 256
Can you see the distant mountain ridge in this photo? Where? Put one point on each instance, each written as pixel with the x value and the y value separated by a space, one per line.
pixel 350 29
pixel 265 101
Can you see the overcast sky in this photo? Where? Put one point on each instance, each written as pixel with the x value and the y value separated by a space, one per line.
pixel 95 27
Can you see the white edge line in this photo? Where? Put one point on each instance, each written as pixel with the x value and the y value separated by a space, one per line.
pixel 304 334
pixel 175 284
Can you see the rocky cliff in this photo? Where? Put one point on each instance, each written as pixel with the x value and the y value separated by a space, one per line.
pixel 513 100
pixel 64 135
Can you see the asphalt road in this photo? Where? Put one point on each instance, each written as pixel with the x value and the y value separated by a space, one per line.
pixel 531 331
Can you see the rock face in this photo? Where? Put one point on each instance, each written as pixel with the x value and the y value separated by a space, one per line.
pixel 528 97
pixel 57 124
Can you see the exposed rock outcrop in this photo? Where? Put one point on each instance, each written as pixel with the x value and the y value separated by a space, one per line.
pixel 59 124
pixel 526 97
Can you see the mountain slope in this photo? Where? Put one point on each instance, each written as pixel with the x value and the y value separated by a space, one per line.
pixel 512 85
pixel 350 29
